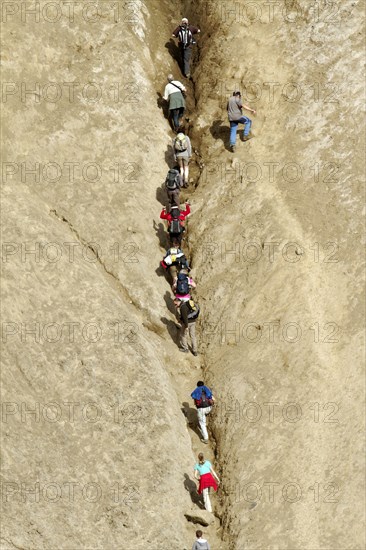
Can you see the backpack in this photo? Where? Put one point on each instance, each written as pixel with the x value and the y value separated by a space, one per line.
pixel 185 36
pixel 203 401
pixel 172 181
pixel 181 143
pixel 175 227
pixel 194 310
pixel 182 284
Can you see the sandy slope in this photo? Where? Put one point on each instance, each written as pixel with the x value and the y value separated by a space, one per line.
pixel 295 308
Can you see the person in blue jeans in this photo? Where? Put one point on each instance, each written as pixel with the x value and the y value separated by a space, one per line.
pixel 235 115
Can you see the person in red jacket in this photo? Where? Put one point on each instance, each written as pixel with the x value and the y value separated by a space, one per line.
pixel 176 221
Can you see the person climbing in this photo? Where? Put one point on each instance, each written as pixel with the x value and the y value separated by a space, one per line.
pixel 182 287
pixel 200 543
pixel 204 400
pixel 184 32
pixel 189 312
pixel 182 149
pixel 174 93
pixel 174 261
pixel 173 184
pixel 207 478
pixel 234 110
pixel 176 221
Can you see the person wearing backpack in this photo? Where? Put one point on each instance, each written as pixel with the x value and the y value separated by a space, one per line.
pixel 182 287
pixel 189 312
pixel 235 115
pixel 174 93
pixel 173 184
pixel 182 149
pixel 176 221
pixel 204 401
pixel 184 32
pixel 200 543
pixel 174 261
pixel 207 477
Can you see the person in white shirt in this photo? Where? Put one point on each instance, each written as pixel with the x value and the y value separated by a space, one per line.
pixel 174 94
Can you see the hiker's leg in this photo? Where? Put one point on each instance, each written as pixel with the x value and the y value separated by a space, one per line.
pixel 181 47
pixel 247 125
pixel 173 272
pixel 187 59
pixel 233 129
pixel 186 170
pixel 206 500
pixel 202 423
pixel 175 116
pixel 181 167
pixel 181 113
pixel 192 334
pixel 175 197
pixel 183 338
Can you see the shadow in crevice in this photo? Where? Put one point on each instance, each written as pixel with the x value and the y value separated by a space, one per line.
pixel 161 235
pixel 220 130
pixel 163 105
pixel 191 487
pixel 191 416
pixel 172 329
pixel 174 51
pixel 170 303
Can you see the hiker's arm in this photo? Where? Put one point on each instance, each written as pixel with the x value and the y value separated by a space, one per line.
pixel 187 210
pixel 249 109
pixel 184 318
pixel 163 214
pixel 189 148
pixel 214 474
pixel 194 30
pixel 193 284
pixel 174 151
pixel 195 474
pixel 175 32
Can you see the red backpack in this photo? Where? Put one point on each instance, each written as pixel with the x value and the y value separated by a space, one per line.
pixel 203 401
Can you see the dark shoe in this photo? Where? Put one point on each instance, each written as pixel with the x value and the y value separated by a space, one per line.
pixel 204 441
pixel 246 138
pixel 183 350
pixel 195 353
pixel 232 148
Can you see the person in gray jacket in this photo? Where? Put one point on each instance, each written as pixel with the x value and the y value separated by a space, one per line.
pixel 173 93
pixel 182 150
pixel 201 543
pixel 236 117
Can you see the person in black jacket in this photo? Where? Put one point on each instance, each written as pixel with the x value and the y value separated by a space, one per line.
pixel 184 32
